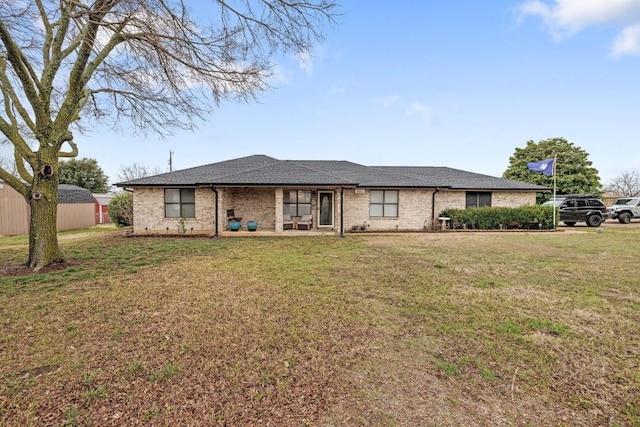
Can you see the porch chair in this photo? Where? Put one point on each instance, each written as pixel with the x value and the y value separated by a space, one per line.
pixel 287 222
pixel 305 222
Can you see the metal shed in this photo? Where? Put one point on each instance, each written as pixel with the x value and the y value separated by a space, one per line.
pixel 75 210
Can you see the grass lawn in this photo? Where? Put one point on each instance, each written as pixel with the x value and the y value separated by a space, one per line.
pixel 435 329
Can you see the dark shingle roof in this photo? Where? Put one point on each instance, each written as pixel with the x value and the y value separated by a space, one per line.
pixel 74 194
pixel 265 170
pixel 203 174
pixel 252 170
pixel 459 179
pixel 363 176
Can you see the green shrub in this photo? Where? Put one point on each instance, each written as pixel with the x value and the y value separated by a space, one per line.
pixel 487 218
pixel 121 209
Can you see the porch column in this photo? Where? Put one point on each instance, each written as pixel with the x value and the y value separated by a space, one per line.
pixel 279 197
pixel 222 215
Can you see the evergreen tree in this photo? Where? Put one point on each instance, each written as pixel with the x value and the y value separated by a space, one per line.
pixel 84 173
pixel 574 172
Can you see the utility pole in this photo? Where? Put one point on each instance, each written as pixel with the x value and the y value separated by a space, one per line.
pixel 170 161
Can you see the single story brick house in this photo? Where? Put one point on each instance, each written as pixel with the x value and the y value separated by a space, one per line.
pixel 334 196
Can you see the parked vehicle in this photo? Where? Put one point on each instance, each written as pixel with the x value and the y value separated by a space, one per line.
pixel 624 209
pixel 583 207
pixel 557 201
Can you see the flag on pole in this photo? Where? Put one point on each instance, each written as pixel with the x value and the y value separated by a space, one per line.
pixel 543 166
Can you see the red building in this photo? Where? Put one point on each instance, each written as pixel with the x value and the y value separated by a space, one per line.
pixel 102 207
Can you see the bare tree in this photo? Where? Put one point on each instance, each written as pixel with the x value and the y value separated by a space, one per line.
pixel 65 64
pixel 135 171
pixel 9 167
pixel 626 184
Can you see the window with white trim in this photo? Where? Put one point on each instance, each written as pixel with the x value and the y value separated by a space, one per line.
pixel 179 203
pixel 383 203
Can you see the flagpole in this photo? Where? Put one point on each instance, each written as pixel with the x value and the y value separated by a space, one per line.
pixel 543 167
pixel 554 190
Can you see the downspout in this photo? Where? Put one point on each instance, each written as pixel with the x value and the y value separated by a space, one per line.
pixel 341 211
pixel 215 230
pixel 433 207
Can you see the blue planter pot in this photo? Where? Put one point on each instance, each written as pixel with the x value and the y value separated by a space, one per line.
pixel 252 225
pixel 234 226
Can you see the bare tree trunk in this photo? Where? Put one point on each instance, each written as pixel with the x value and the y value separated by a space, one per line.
pixel 43 234
pixel 153 65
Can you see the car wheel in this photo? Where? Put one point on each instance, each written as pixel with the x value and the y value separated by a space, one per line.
pixel 594 221
pixel 569 223
pixel 624 218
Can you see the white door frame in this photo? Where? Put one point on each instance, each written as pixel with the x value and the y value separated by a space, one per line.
pixel 331 193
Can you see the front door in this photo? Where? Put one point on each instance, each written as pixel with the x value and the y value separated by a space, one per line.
pixel 325 209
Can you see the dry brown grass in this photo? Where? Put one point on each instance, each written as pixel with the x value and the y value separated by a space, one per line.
pixel 400 330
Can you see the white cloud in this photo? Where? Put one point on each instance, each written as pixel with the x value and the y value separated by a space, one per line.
pixel 387 101
pixel 567 17
pixel 627 42
pixel 279 76
pixel 308 60
pixel 305 62
pixel 421 111
pixel 564 18
pixel 338 90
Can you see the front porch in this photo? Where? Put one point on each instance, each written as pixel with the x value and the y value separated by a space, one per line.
pixel 277 211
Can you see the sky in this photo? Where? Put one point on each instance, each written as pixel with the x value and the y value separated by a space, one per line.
pixel 458 83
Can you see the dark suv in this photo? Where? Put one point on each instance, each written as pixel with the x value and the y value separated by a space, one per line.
pixel 585 207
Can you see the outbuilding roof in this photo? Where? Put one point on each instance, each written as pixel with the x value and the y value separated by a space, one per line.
pixel 261 170
pixel 74 194
pixel 71 194
pixel 103 199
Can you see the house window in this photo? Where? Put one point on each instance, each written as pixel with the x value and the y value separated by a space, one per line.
pixel 478 199
pixel 297 202
pixel 383 203
pixel 179 203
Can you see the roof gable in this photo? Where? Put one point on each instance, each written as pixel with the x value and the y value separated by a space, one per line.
pixel 286 172
pixel 363 176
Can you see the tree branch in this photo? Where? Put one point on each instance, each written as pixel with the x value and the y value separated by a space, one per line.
pixel 11 99
pixel 20 167
pixel 46 44
pixel 74 147
pixel 23 72
pixel 14 182
pixel 69 108
pixel 20 145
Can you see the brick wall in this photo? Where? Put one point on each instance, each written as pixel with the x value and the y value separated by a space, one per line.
pixel 414 212
pixel 415 208
pixel 148 213
pixel 502 199
pixel 250 204
pixel 512 199
pixel 264 205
